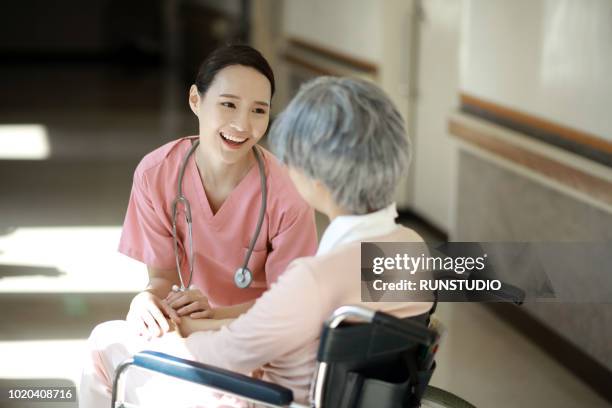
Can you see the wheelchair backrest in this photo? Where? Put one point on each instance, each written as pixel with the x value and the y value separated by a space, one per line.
pixel 372 364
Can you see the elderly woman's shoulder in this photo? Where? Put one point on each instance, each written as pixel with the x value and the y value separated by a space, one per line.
pixel 405 234
pixel 399 234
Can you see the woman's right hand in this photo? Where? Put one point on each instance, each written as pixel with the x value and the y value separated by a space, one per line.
pixel 149 315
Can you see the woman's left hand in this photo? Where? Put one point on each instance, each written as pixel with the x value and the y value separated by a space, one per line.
pixel 190 302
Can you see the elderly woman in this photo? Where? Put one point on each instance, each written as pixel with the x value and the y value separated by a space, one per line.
pixel 345 146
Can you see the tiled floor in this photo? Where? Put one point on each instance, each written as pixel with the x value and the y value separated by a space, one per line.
pixel 61 217
pixel 488 363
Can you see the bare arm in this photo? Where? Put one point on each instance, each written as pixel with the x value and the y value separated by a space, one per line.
pixel 161 281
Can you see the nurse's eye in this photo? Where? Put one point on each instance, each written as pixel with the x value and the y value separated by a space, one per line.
pixel 259 111
pixel 230 105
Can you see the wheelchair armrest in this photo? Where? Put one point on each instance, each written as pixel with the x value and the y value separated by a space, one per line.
pixel 214 377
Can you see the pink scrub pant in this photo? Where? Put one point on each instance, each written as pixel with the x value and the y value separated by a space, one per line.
pixel 113 342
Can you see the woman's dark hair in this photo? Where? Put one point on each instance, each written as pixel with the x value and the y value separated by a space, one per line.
pixel 232 55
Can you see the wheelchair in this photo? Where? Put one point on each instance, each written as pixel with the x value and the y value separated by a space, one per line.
pixel 365 359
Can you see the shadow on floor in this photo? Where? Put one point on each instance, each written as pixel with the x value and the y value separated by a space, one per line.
pixel 43 316
pixel 7 271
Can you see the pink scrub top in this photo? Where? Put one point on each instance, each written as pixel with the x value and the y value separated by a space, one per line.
pixel 221 240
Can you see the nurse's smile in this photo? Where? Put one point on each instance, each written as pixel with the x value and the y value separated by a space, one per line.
pixel 233 142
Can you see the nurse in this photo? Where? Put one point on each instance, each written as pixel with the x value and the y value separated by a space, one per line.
pixel 222 182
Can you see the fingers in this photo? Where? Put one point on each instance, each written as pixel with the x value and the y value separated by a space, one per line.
pixel 186 303
pixel 176 292
pixel 206 314
pixel 180 299
pixel 170 312
pixel 141 327
pixel 152 327
pixel 147 317
pixel 137 324
pixel 160 320
pixel 172 296
pixel 191 308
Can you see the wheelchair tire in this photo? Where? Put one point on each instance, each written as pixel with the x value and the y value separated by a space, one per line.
pixel 436 398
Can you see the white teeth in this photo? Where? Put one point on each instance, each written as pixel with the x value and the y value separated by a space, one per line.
pixel 233 139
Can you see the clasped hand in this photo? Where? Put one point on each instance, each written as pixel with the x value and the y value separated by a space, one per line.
pixel 190 302
pixel 152 317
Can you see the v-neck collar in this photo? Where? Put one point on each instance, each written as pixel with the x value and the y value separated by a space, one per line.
pixel 230 202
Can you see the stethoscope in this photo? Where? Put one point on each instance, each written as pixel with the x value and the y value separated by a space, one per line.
pixel 243 275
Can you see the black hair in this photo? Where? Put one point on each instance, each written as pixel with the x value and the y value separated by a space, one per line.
pixel 232 55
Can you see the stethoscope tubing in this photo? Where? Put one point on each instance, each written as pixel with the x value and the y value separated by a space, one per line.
pixel 243 276
pixel 262 209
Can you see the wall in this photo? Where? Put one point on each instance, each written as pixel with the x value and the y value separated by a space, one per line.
pixel 437 87
pixel 550 58
pixel 350 26
pixel 416 47
pixel 376 32
pixel 547 58
pixel 498 204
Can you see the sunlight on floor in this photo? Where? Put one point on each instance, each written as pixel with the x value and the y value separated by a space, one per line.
pixel 67 259
pixel 42 359
pixel 24 142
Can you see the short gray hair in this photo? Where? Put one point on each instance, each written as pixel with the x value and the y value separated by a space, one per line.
pixel 349 135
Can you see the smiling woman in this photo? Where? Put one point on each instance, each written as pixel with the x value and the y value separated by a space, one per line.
pixel 246 212
pixel 231 98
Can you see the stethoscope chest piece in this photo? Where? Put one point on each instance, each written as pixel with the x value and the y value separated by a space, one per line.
pixel 243 278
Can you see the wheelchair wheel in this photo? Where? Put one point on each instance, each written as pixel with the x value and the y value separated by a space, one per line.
pixel 436 398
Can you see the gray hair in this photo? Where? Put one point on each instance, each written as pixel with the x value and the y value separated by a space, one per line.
pixel 349 135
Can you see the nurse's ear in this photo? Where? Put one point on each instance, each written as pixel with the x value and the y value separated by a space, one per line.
pixel 194 99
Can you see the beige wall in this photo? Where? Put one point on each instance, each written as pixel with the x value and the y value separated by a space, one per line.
pixel 351 26
pixel 549 58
